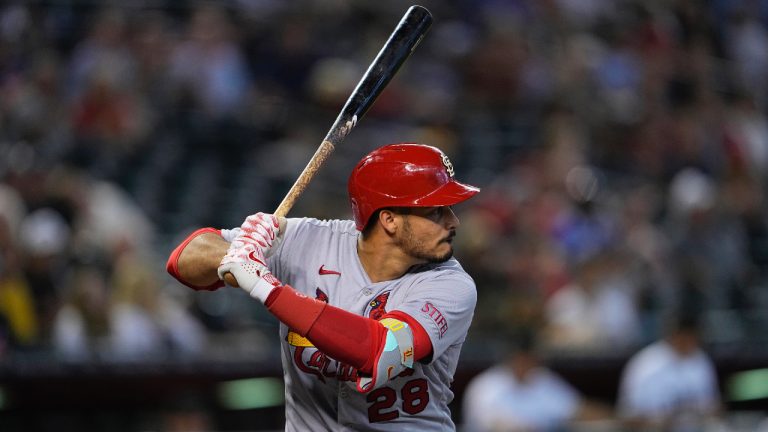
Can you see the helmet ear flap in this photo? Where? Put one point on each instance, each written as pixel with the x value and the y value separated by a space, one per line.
pixel 403 175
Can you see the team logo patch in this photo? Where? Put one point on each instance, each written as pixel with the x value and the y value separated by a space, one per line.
pixel 435 315
pixel 376 307
pixel 448 165
pixel 320 295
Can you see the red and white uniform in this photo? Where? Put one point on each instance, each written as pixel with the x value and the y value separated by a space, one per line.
pixel 319 259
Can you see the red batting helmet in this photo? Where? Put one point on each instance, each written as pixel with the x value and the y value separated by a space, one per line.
pixel 403 175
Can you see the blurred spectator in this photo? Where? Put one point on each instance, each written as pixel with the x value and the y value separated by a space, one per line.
pixel 102 55
pixel 586 227
pixel 747 135
pixel 747 43
pixel 44 238
pixel 109 216
pixel 19 328
pixel 145 321
pixel 12 210
pixel 522 394
pixel 597 311
pixel 742 196
pixel 109 117
pixel 710 244
pixel 209 64
pixel 122 314
pixel 81 329
pixel 671 385
pixel 650 250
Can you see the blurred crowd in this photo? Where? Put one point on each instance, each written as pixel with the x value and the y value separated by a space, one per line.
pixel 622 148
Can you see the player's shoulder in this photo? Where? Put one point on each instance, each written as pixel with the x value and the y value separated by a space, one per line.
pixel 327 226
pixel 447 274
pixel 450 269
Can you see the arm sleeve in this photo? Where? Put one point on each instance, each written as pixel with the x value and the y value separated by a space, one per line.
pixel 444 307
pixel 172 265
pixel 344 336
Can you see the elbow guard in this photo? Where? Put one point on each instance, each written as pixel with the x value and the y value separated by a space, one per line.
pixel 394 356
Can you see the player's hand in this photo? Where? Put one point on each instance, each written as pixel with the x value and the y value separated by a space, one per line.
pixel 264 229
pixel 245 261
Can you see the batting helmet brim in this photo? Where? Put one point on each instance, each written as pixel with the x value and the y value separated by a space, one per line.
pixel 449 194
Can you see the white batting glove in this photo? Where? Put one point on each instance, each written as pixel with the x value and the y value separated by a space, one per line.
pixel 245 260
pixel 264 229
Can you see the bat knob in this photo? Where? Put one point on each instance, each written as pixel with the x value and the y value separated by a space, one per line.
pixel 230 280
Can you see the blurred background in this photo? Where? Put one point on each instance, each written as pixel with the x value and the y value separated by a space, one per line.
pixel 622 149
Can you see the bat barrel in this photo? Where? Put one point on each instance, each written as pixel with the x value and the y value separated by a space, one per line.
pixel 403 40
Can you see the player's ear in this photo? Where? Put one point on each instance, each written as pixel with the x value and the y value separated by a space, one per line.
pixel 388 220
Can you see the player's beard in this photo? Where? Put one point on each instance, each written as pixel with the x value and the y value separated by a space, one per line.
pixel 417 249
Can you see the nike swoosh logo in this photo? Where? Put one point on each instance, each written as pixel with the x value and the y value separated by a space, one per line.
pixel 252 257
pixel 323 271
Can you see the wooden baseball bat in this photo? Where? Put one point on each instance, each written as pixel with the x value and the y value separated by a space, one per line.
pixel 395 51
pixel 401 43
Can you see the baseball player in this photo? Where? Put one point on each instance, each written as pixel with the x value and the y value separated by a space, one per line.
pixel 373 311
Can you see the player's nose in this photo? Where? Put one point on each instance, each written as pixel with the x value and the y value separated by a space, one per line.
pixel 451 220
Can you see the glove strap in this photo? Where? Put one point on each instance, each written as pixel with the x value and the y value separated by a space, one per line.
pixel 264 286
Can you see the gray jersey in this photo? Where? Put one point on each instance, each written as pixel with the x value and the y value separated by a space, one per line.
pixel 319 259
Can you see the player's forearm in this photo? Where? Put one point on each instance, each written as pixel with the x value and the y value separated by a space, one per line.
pixel 195 261
pixel 347 337
pixel 200 259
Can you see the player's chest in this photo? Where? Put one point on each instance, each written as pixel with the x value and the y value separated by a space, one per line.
pixel 345 286
pixel 368 300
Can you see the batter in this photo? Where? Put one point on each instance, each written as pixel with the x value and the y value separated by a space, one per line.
pixel 373 311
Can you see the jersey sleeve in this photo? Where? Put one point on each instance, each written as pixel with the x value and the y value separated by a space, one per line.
pixel 172 264
pixel 444 306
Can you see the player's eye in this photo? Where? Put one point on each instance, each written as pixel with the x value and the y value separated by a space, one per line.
pixel 432 213
pixel 441 212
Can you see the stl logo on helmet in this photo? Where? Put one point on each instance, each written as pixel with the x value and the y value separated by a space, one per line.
pixel 448 166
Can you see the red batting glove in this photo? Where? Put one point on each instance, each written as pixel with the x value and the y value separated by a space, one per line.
pixel 264 230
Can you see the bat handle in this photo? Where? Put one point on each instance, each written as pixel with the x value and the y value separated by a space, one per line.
pixel 230 280
pixel 323 151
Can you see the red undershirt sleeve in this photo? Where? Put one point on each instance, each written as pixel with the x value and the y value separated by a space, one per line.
pixel 344 336
pixel 172 266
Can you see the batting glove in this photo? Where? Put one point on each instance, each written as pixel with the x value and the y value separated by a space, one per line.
pixel 245 260
pixel 264 229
